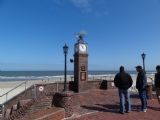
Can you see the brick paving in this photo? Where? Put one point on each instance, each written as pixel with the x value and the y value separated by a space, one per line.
pixel 104 105
pixel 98 105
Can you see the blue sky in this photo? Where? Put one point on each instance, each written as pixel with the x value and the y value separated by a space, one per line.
pixel 33 32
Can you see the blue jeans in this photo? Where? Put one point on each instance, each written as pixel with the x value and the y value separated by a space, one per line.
pixel 124 100
pixel 158 94
pixel 143 98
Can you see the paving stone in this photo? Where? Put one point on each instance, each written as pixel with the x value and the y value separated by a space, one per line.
pixel 104 105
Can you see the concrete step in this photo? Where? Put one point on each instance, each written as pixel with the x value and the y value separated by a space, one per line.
pixel 27 106
pixel 43 103
pixel 18 109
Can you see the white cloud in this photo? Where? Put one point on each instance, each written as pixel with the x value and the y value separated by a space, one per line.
pixel 96 7
pixel 81 3
pixel 84 5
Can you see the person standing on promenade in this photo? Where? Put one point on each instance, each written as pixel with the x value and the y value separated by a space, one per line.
pixel 141 83
pixel 123 82
pixel 157 82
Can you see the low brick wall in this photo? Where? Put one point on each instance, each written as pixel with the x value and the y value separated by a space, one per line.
pixel 33 92
pixel 51 88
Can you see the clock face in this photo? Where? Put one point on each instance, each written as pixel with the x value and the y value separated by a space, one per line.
pixel 82 48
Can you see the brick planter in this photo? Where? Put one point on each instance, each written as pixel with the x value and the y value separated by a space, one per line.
pixel 64 100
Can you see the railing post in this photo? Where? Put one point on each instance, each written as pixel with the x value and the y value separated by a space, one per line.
pixel 57 86
pixel 25 85
pixel 6 96
pixel 2 110
pixel 35 91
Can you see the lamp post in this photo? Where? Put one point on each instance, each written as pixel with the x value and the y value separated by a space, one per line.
pixel 65 50
pixel 143 58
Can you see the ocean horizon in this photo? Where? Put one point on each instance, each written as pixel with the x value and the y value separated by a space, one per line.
pixel 60 72
pixel 24 75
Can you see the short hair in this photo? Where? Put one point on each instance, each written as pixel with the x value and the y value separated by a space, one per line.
pixel 121 68
pixel 157 67
pixel 139 67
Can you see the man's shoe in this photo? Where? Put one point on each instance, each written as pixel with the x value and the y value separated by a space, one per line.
pixel 127 111
pixel 144 110
pixel 121 112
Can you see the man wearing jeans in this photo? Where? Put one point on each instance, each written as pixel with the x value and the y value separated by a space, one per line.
pixel 123 82
pixel 141 83
pixel 157 82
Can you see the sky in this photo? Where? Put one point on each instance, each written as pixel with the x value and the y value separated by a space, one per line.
pixel 33 32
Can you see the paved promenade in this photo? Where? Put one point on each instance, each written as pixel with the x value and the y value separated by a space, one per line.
pixel 104 105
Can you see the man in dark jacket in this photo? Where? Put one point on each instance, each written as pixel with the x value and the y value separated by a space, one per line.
pixel 141 86
pixel 123 82
pixel 157 82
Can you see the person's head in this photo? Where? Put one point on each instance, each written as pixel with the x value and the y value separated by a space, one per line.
pixel 158 68
pixel 121 69
pixel 139 68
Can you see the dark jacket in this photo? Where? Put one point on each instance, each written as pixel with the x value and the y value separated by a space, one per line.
pixel 141 81
pixel 157 80
pixel 123 80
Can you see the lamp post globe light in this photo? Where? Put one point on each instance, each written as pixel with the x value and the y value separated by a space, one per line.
pixel 143 58
pixel 65 50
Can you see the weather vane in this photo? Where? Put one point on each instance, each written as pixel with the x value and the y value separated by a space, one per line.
pixel 80 36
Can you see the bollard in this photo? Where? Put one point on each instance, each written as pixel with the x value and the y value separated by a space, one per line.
pixel 149 90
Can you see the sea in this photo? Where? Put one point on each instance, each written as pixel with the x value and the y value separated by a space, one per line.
pixel 39 75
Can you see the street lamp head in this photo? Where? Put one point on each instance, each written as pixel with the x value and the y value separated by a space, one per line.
pixel 65 49
pixel 71 60
pixel 143 55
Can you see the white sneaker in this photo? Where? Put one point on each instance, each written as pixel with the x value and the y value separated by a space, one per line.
pixel 144 110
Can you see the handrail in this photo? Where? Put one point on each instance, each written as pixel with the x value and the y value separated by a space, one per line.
pixel 13 89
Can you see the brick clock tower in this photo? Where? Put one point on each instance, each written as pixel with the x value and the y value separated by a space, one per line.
pixel 80 63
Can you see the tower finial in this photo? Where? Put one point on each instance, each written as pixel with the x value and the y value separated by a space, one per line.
pixel 81 36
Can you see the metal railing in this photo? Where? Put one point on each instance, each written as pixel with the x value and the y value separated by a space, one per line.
pixel 6 94
pixel 2 105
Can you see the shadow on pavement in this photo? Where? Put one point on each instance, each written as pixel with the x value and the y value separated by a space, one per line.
pixel 103 108
pixel 111 108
